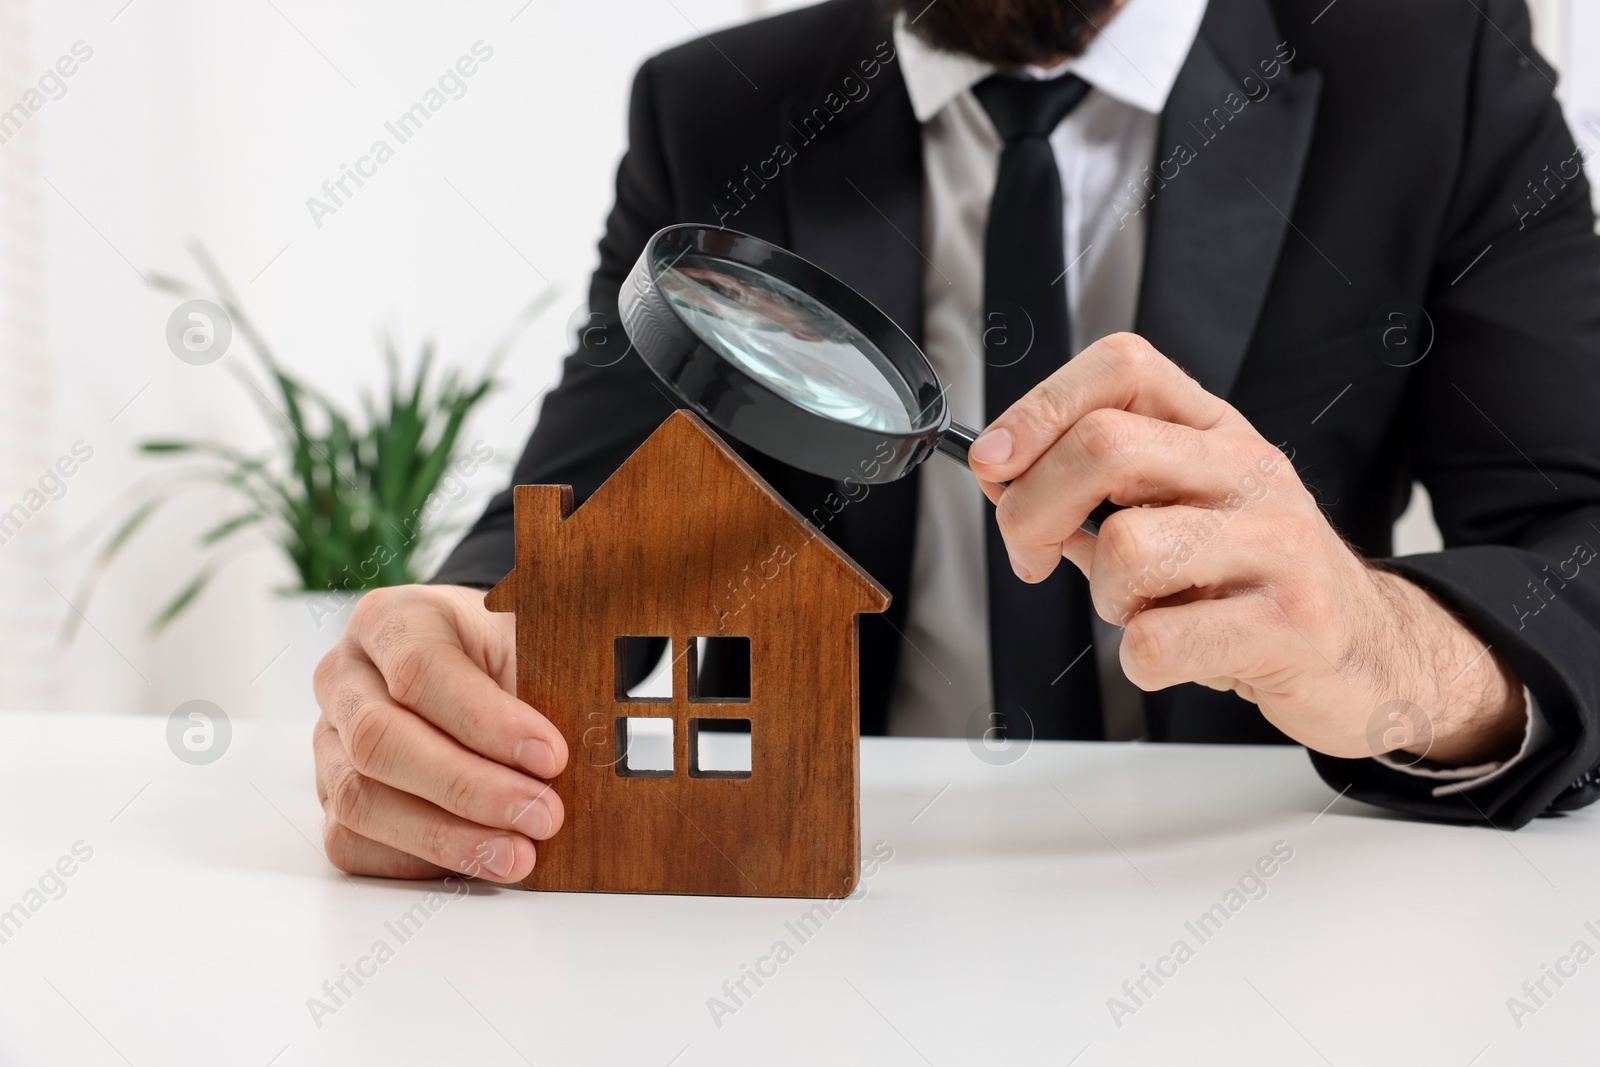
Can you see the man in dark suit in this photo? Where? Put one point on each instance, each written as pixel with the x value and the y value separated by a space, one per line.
pixel 1354 249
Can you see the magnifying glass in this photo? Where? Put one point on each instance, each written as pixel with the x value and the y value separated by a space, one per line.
pixel 778 353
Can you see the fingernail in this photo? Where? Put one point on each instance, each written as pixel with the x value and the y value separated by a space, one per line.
pixel 533 819
pixel 497 856
pixel 993 446
pixel 535 756
pixel 1019 569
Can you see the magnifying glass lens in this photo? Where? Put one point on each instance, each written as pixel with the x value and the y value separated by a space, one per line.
pixel 789 341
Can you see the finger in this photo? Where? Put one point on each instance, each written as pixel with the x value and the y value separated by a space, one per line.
pixel 1129 459
pixel 417 647
pixel 389 744
pixel 354 854
pixel 1146 554
pixel 1078 547
pixel 385 815
pixel 489 638
pixel 1208 641
pixel 320 750
pixel 1123 372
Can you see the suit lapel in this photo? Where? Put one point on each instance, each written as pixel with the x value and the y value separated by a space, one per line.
pixel 854 198
pixel 1219 222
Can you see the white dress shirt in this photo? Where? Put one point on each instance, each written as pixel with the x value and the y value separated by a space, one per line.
pixel 1100 148
pixel 1102 145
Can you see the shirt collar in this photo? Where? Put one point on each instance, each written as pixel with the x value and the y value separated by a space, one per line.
pixel 1136 58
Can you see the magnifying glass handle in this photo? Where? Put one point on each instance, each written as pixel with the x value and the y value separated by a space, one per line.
pixel 957 440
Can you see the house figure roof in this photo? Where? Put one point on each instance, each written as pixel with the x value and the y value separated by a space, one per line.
pixel 685 542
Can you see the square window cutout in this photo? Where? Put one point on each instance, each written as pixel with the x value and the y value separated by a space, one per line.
pixel 644 669
pixel 644 747
pixel 719 670
pixel 719 748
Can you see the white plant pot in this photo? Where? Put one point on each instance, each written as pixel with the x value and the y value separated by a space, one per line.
pixel 308 625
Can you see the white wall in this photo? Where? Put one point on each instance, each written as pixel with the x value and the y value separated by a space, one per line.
pixel 1568 32
pixel 217 121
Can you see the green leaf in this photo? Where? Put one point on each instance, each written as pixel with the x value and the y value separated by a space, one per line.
pixel 103 558
pixel 184 598
pixel 226 529
pixel 130 526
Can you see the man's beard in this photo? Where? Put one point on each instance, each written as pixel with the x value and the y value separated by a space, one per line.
pixel 1006 33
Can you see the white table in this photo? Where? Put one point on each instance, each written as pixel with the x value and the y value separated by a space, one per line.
pixel 1018 900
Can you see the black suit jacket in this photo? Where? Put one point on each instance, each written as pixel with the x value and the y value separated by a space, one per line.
pixel 1395 162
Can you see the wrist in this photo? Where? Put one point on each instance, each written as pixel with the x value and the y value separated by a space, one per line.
pixel 1472 701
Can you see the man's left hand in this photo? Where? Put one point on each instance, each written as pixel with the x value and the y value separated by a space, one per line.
pixel 1224 571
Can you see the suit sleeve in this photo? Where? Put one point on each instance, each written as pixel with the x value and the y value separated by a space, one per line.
pixel 607 401
pixel 1504 431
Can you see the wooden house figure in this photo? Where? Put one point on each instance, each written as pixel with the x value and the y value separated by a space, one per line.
pixel 686 542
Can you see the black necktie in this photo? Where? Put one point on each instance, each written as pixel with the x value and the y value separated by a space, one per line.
pixel 1045 683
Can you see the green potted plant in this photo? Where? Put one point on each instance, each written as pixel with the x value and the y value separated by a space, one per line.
pixel 347 499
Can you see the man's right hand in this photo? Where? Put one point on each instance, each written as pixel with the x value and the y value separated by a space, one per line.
pixel 427 763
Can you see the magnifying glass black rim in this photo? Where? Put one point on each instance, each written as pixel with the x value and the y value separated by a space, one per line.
pixel 739 403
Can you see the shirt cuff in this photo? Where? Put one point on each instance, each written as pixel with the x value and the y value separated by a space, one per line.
pixel 1455 780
